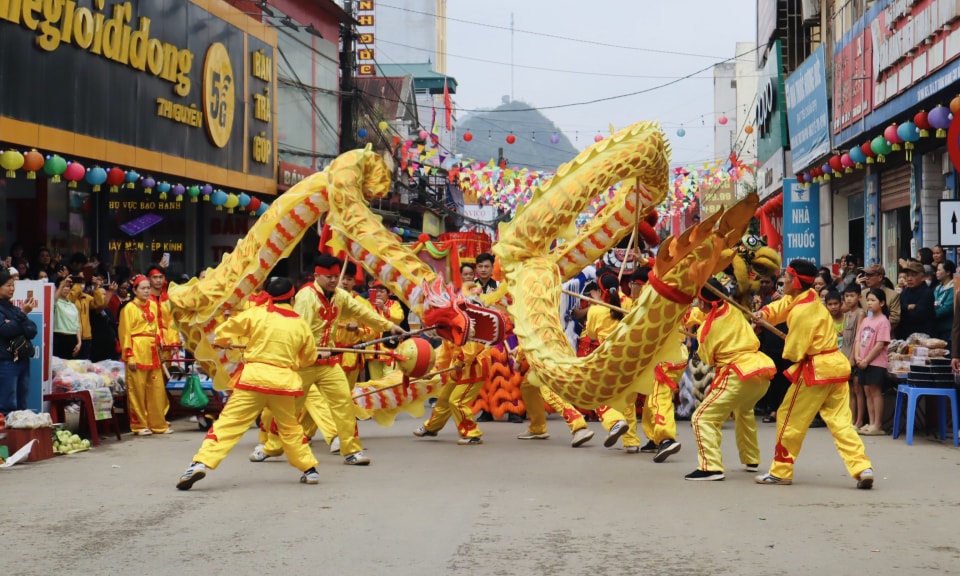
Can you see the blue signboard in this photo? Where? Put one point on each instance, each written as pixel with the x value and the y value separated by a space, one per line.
pixel 801 221
pixel 35 398
pixel 807 112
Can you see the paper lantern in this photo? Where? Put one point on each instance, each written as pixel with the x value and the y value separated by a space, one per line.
pixel 909 133
pixel 423 134
pixel 826 170
pixel 148 185
pixel 858 157
pixel 178 191
pixel 923 124
pixel 207 190
pixel 847 162
pixel 263 208
pixel 362 132
pixel 598 138
pixel 467 136
pixel 131 178
pixel 11 161
pixel 244 199
pixel 837 165
pixel 890 133
pixel 54 166
pixel 74 173
pixel 115 178
pixel 254 205
pixel 232 202
pixel 218 199
pixel 867 149
pixel 32 163
pixel 880 147
pixel 940 118
pixel 681 132
pixel 748 129
pixel 801 178
pixel 554 139
pixel 722 120
pixel 511 138
pixel 163 188
pixel 396 141
pixel 383 125
pixel 193 192
pixel 96 176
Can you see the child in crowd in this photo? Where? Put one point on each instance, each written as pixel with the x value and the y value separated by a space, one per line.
pixel 852 315
pixel 832 300
pixel 870 356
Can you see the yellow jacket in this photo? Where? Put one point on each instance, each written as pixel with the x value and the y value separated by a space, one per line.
pixel 727 339
pixel 393 312
pixel 599 322
pixel 168 332
pixel 344 338
pixel 474 356
pixel 322 315
pixel 280 343
pixel 140 334
pixel 85 303
pixel 811 341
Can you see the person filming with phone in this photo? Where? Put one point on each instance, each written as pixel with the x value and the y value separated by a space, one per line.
pixel 16 332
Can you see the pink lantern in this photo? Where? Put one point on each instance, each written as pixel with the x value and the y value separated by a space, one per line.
pixel 893 137
pixel 598 138
pixel 722 120
pixel 74 173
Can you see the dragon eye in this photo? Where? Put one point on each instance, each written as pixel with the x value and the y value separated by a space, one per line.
pixel 751 242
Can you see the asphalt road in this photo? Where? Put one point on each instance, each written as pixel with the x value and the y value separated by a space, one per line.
pixel 429 506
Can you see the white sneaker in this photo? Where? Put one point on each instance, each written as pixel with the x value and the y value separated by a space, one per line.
pixel 311 476
pixel 532 436
pixel 616 431
pixel 144 432
pixel 356 459
pixel 865 481
pixel 197 471
pixel 631 449
pixel 258 455
pixel 335 446
pixel 581 437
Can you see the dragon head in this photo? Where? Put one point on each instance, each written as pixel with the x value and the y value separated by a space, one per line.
pixel 459 320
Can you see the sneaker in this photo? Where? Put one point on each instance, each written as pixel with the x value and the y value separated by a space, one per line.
pixel 258 455
pixel 666 448
pixel 310 476
pixel 616 431
pixel 631 449
pixel 581 437
pixel 818 422
pixel 484 416
pixel 475 440
pixel 335 446
pixel 356 459
pixel 700 475
pixel 865 481
pixel 194 473
pixel 514 418
pixel 869 430
pixel 167 431
pixel 649 448
pixel 771 479
pixel 751 467
pixel 144 432
pixel 531 436
pixel 422 431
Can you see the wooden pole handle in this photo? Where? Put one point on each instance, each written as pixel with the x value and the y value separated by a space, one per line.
pixel 424 377
pixel 760 321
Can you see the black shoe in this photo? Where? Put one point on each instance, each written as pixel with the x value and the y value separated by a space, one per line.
pixel 666 448
pixel 818 422
pixel 704 475
pixel 649 448
pixel 484 416
pixel 515 418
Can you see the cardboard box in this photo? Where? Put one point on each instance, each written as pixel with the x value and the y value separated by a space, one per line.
pixel 17 438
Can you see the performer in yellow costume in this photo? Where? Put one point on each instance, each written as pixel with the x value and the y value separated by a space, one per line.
pixel 350 331
pixel 320 304
pixel 533 399
pixel 140 340
pixel 169 336
pixel 461 387
pixel 280 344
pixel 818 379
pixel 728 342
pixel 381 366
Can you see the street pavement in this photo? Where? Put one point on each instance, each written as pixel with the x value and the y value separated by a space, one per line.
pixel 432 507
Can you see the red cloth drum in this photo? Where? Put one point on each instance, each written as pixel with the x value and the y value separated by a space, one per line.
pixel 417 357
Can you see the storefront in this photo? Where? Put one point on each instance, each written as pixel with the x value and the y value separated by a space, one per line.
pixel 135 129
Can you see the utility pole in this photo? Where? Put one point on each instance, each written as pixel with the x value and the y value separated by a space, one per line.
pixel 348 99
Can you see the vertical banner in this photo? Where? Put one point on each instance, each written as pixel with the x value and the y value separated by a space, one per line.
pixel 42 316
pixel 871 223
pixel 801 221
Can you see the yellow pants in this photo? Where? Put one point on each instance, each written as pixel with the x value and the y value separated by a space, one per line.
pixel 727 394
pixel 147 400
pixel 380 369
pixel 610 416
pixel 455 400
pixel 657 417
pixel 800 405
pixel 325 386
pixel 534 398
pixel 241 410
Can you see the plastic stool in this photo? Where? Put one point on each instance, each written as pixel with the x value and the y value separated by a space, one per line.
pixel 912 393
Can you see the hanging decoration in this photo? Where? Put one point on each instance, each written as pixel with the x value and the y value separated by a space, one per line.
pixel 32 162
pixel 890 133
pixel 193 192
pixel 148 184
pixel 207 191
pixel 867 149
pixel 554 139
pixel 511 138
pixel 362 132
pixel 131 178
pixel 923 124
pixel 836 164
pixel 54 167
pixel 115 179
pixel 243 201
pixel 178 191
pixel 858 157
pixel 11 161
pixel 96 176
pixel 254 206
pixel 955 105
pixel 940 118
pixel 263 208
pixel 909 133
pixel 847 162
pixel 598 137
pixel 881 148
pixel 74 173
pixel 231 203
pixel 681 132
pixel 218 199
pixel 467 136
pixel 383 125
pixel 748 129
pixel 163 188
pixel 722 120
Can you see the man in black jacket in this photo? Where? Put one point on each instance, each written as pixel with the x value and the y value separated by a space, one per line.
pixel 917 312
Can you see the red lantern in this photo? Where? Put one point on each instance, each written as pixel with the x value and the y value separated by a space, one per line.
pixel 847 162
pixel 867 150
pixel 396 141
pixel 892 137
pixel 467 136
pixel 922 123
pixel 253 205
pixel 32 162
pixel 74 173
pixel 511 138
pixel 836 164
pixel 115 177
pixel 955 105
pixel 800 178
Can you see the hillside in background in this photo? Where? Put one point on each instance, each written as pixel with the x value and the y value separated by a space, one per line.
pixel 532 149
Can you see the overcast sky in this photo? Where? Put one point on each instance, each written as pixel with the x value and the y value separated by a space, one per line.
pixel 647 43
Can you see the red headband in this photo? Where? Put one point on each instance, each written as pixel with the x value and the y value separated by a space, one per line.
pixel 153 269
pixel 797 278
pixel 137 279
pixel 285 296
pixel 331 271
